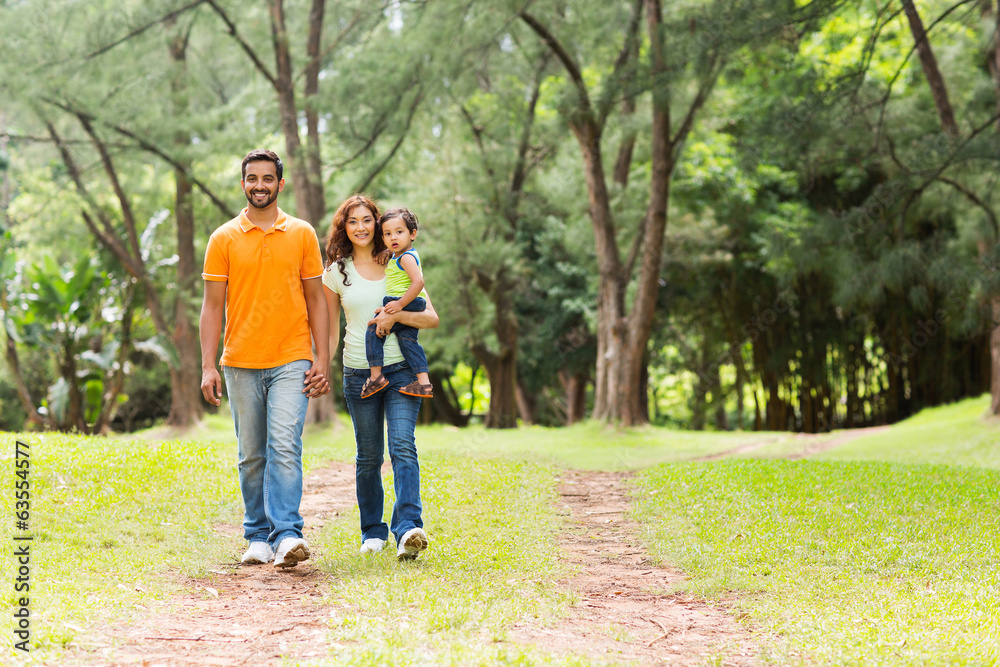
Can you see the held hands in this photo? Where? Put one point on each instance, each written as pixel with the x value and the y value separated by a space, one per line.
pixel 316 382
pixel 211 386
pixel 392 307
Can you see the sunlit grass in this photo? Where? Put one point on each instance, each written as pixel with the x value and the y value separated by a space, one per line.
pixel 958 434
pixel 833 561
pixel 846 563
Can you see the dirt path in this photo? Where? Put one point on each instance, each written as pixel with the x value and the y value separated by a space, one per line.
pixel 808 444
pixel 254 615
pixel 239 615
pixel 624 612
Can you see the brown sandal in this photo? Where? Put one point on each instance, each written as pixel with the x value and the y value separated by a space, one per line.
pixel 418 390
pixel 374 386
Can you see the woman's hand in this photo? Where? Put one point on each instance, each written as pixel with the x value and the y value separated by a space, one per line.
pixel 383 321
pixel 383 257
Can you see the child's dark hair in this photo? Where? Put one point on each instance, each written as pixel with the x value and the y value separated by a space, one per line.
pixel 408 218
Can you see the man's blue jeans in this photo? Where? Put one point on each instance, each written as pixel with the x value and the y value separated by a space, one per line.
pixel 269 411
pixel 406 336
pixel 398 412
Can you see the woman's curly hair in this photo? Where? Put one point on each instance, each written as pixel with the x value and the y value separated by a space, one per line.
pixel 338 245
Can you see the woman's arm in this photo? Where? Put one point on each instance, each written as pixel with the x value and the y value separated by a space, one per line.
pixel 333 306
pixel 426 319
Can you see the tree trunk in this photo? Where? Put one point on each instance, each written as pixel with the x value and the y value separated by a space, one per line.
pixel 445 404
pixel 306 186
pixel 185 379
pixel 995 355
pixel 525 405
pixel 929 63
pixel 315 194
pixel 610 296
pixel 284 84
pixel 501 371
pixel 575 387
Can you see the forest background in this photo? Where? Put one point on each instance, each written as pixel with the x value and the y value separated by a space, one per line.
pixel 729 214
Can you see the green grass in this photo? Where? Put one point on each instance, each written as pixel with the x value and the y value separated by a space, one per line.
pixel 493 563
pixel 110 516
pixel 956 434
pixel 884 551
pixel 883 559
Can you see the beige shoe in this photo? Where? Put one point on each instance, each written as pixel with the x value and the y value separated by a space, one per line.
pixel 290 552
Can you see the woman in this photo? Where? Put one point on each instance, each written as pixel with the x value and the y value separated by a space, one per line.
pixel 355 280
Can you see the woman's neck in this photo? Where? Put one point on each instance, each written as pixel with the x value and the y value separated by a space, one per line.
pixel 362 255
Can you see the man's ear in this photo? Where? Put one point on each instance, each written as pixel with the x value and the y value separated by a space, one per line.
pixel 281 185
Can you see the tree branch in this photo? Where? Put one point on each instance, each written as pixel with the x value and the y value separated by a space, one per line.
pixel 149 147
pixel 138 31
pixel 231 29
pixel 128 216
pixel 567 60
pixel 521 165
pixel 399 142
pixel 971 196
pixel 606 101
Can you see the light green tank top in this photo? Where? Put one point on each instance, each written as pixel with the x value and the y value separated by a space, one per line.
pixel 396 279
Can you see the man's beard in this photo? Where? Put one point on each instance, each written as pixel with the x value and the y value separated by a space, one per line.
pixel 271 196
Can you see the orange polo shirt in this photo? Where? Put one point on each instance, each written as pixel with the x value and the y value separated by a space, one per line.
pixel 267 324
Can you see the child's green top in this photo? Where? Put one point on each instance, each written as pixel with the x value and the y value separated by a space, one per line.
pixel 396 279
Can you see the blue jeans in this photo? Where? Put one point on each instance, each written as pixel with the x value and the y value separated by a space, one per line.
pixel 406 336
pixel 399 412
pixel 269 411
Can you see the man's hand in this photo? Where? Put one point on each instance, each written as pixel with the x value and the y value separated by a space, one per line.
pixel 316 382
pixel 392 307
pixel 211 385
pixel 383 257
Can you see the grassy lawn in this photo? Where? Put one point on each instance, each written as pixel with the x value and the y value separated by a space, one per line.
pixel 883 551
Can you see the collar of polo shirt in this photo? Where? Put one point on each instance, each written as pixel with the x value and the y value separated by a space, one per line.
pixel 279 224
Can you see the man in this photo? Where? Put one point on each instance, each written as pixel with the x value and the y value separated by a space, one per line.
pixel 264 268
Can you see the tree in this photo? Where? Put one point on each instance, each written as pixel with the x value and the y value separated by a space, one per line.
pixel 686 62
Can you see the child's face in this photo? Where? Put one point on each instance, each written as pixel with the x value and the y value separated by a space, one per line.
pixel 396 236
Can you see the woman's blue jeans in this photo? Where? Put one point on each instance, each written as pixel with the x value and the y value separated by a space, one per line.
pixel 399 413
pixel 269 411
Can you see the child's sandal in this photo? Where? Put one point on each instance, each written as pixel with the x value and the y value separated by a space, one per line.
pixel 418 390
pixel 374 386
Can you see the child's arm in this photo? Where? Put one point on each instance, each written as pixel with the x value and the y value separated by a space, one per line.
pixel 409 264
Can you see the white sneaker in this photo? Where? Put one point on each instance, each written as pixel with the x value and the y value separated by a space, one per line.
pixel 259 552
pixel 372 545
pixel 290 551
pixel 411 544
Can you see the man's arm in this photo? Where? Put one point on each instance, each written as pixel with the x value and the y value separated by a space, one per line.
pixel 427 319
pixel 209 329
pixel 319 323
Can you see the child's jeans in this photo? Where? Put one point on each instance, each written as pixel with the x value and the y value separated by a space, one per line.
pixel 405 335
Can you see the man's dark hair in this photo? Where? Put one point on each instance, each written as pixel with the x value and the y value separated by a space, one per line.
pixel 263 155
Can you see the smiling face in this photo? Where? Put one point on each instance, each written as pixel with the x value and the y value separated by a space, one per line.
pixel 360 227
pixel 397 236
pixel 261 184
